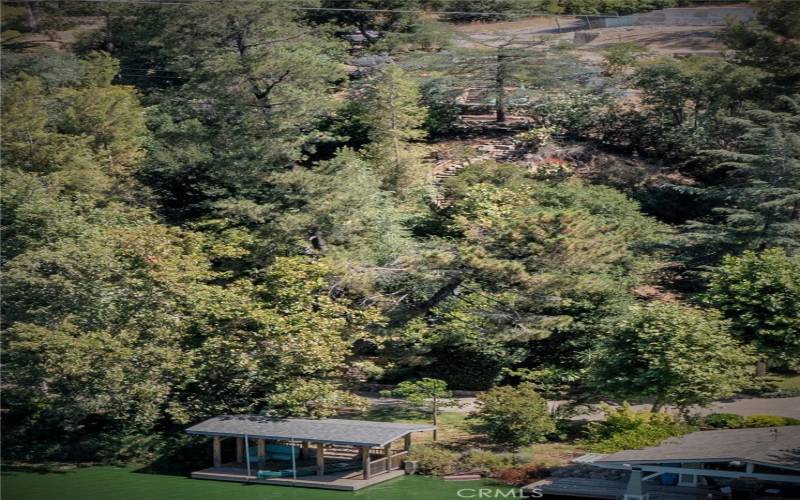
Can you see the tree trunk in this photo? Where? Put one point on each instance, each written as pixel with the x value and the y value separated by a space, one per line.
pixel 657 404
pixel 500 88
pixel 31 19
pixel 761 368
pixel 435 418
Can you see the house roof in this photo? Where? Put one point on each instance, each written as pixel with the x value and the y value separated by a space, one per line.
pixel 777 446
pixel 327 430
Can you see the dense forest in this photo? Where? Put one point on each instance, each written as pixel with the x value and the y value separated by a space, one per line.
pixel 230 207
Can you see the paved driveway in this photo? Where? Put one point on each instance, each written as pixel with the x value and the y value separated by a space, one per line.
pixel 784 407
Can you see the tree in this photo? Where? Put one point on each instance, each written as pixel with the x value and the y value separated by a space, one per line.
pixel 366 16
pixel 759 204
pixel 490 10
pixel 516 416
pixel 245 88
pixel 429 392
pixel 395 117
pixel 683 99
pixel 526 259
pixel 769 43
pixel 489 68
pixel 759 293
pixel 671 353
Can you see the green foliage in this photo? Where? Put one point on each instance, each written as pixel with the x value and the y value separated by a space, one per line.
pixel 516 416
pixel 575 113
pixel 427 392
pixel 757 206
pixel 760 294
pixel 439 96
pixel 622 56
pixel 265 82
pixel 488 462
pixel 622 7
pixel 671 353
pixel 769 43
pixel 434 459
pixel 365 22
pixel 625 428
pixel 683 98
pixel 395 117
pixel 723 421
pixel 490 10
pixel 550 381
pixel 769 421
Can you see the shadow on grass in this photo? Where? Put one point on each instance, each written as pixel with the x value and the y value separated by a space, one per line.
pixel 394 413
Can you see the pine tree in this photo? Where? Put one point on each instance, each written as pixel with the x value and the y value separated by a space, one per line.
pixel 395 118
pixel 759 204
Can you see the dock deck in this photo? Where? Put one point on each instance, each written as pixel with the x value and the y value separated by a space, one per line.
pixel 345 481
pixel 604 488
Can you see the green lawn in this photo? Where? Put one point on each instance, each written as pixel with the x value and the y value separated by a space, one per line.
pixel 453 426
pixel 790 382
pixel 113 483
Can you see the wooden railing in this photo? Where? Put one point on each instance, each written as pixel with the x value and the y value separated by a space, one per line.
pixel 397 459
pixel 385 464
pixel 378 466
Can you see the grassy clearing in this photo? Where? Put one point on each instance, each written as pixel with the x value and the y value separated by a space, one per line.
pixel 552 454
pixel 453 426
pixel 789 383
pixel 458 433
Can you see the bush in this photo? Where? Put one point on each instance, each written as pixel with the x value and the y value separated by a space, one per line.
pixel 487 462
pixel 515 416
pixel 723 420
pixel 434 459
pixel 769 421
pixel 522 475
pixel 626 428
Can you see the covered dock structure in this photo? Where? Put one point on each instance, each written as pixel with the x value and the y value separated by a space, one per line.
pixel 325 453
pixel 760 463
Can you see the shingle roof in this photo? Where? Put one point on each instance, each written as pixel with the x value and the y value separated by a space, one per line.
pixel 328 430
pixel 755 445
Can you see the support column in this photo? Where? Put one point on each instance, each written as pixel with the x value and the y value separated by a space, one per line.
pixel 634 489
pixel 217 444
pixel 240 449
pixel 304 450
pixel 387 450
pixel 320 458
pixel 262 453
pixel 365 461
pixel 407 442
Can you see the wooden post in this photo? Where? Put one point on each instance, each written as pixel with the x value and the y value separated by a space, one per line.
pixel 262 452
pixel 304 450
pixel 217 451
pixel 320 458
pixel 240 451
pixel 435 434
pixel 365 461
pixel 407 442
pixel 387 450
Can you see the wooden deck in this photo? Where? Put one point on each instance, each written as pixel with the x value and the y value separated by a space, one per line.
pixel 603 488
pixel 346 481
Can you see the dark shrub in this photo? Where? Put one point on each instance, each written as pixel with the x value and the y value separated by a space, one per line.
pixel 723 421
pixel 515 416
